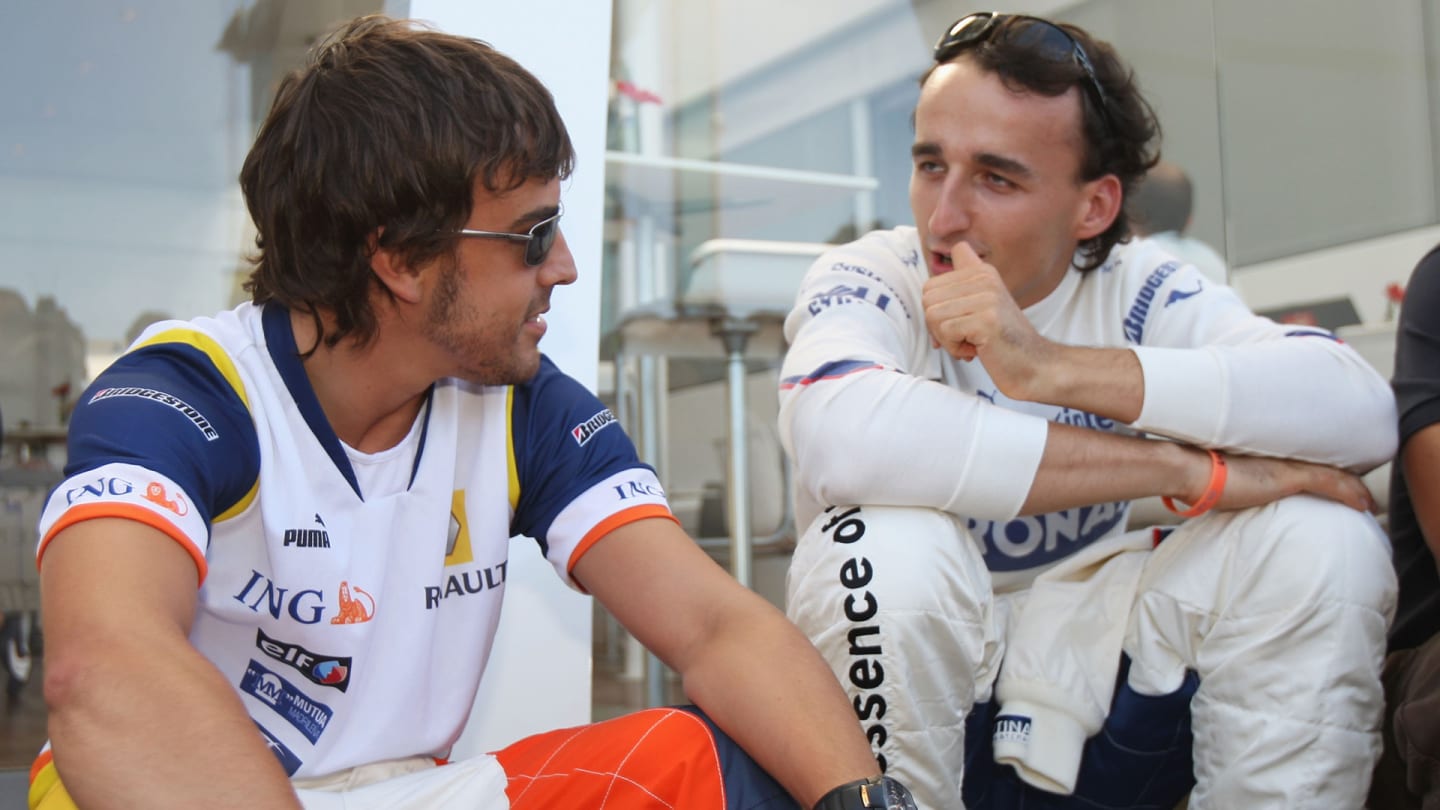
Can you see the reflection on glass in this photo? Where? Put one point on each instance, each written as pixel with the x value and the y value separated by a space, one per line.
pixel 124 131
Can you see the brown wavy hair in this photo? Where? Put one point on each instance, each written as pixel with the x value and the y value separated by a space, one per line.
pixel 377 142
pixel 1123 139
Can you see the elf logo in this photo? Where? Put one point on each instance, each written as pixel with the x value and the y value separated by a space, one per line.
pixel 318 668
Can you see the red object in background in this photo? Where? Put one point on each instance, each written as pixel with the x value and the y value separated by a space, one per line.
pixel 1394 295
pixel 1303 317
pixel 637 94
pixel 61 391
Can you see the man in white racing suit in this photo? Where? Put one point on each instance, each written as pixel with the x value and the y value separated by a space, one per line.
pixel 972 404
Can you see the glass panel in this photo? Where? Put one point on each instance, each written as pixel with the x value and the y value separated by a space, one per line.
pixel 1326 123
pixel 1431 33
pixel 125 127
pixel 1170 46
pixel 738 131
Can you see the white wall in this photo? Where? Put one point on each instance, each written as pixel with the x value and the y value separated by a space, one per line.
pixel 1360 270
pixel 539 675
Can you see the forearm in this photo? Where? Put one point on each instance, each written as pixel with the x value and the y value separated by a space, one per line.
pixel 156 728
pixel 1294 397
pixel 1104 382
pixel 1420 462
pixel 761 681
pixel 1082 466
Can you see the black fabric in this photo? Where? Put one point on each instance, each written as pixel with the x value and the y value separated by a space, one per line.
pixel 1139 760
pixel 1408 775
pixel 1417 391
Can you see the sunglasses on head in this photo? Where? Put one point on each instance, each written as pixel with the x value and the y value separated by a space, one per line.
pixel 538 240
pixel 1042 37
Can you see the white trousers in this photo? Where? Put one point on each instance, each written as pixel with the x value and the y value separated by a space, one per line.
pixel 410 784
pixel 1281 610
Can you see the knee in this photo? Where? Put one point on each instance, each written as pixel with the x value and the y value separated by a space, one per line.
pixel 1309 550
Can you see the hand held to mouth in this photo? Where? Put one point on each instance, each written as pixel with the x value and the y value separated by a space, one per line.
pixel 970 313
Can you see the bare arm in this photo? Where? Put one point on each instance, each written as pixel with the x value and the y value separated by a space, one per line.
pixel 741 661
pixel 1082 466
pixel 1420 459
pixel 138 718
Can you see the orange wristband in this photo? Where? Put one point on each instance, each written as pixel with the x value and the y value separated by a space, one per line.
pixel 1213 490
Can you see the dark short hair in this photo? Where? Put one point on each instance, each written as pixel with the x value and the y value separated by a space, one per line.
pixel 386 128
pixel 1123 139
pixel 1162 200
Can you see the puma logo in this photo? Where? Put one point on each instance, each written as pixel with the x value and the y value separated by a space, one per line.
pixel 352 609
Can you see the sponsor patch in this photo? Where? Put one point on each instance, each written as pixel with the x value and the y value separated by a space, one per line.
pixel 1176 296
pixel 468 582
pixel 1012 728
pixel 457 541
pixel 356 608
pixel 308 716
pixel 843 294
pixel 307 538
pixel 288 760
pixel 99 487
pixel 1134 323
pixel 196 418
pixel 1034 540
pixel 324 670
pixel 586 430
pixel 864 677
pixel 156 494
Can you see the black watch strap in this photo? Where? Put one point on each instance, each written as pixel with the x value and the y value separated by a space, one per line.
pixel 879 792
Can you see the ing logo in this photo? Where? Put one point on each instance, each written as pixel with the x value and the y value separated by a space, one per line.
pixel 353 609
pixel 155 493
pixel 457 546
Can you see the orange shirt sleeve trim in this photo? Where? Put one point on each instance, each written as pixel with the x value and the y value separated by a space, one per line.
pixel 40 762
pixel 615 521
pixel 138 514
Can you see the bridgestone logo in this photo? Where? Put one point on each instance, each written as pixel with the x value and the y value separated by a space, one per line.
pixel 1134 323
pixel 584 431
pixel 199 420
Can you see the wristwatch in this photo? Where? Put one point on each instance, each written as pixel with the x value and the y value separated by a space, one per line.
pixel 877 793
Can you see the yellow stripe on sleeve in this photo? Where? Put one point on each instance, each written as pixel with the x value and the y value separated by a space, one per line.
pixel 46 790
pixel 512 474
pixel 223 364
pixel 210 348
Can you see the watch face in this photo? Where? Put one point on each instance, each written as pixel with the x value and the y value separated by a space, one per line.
pixel 897 797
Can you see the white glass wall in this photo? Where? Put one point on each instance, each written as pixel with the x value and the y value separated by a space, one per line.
pixel 1305 125
pixel 122 129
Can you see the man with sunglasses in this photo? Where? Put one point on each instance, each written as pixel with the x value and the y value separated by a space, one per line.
pixel 972 404
pixel 275 570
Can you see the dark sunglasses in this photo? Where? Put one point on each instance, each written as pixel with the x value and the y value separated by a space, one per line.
pixel 1044 38
pixel 538 240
